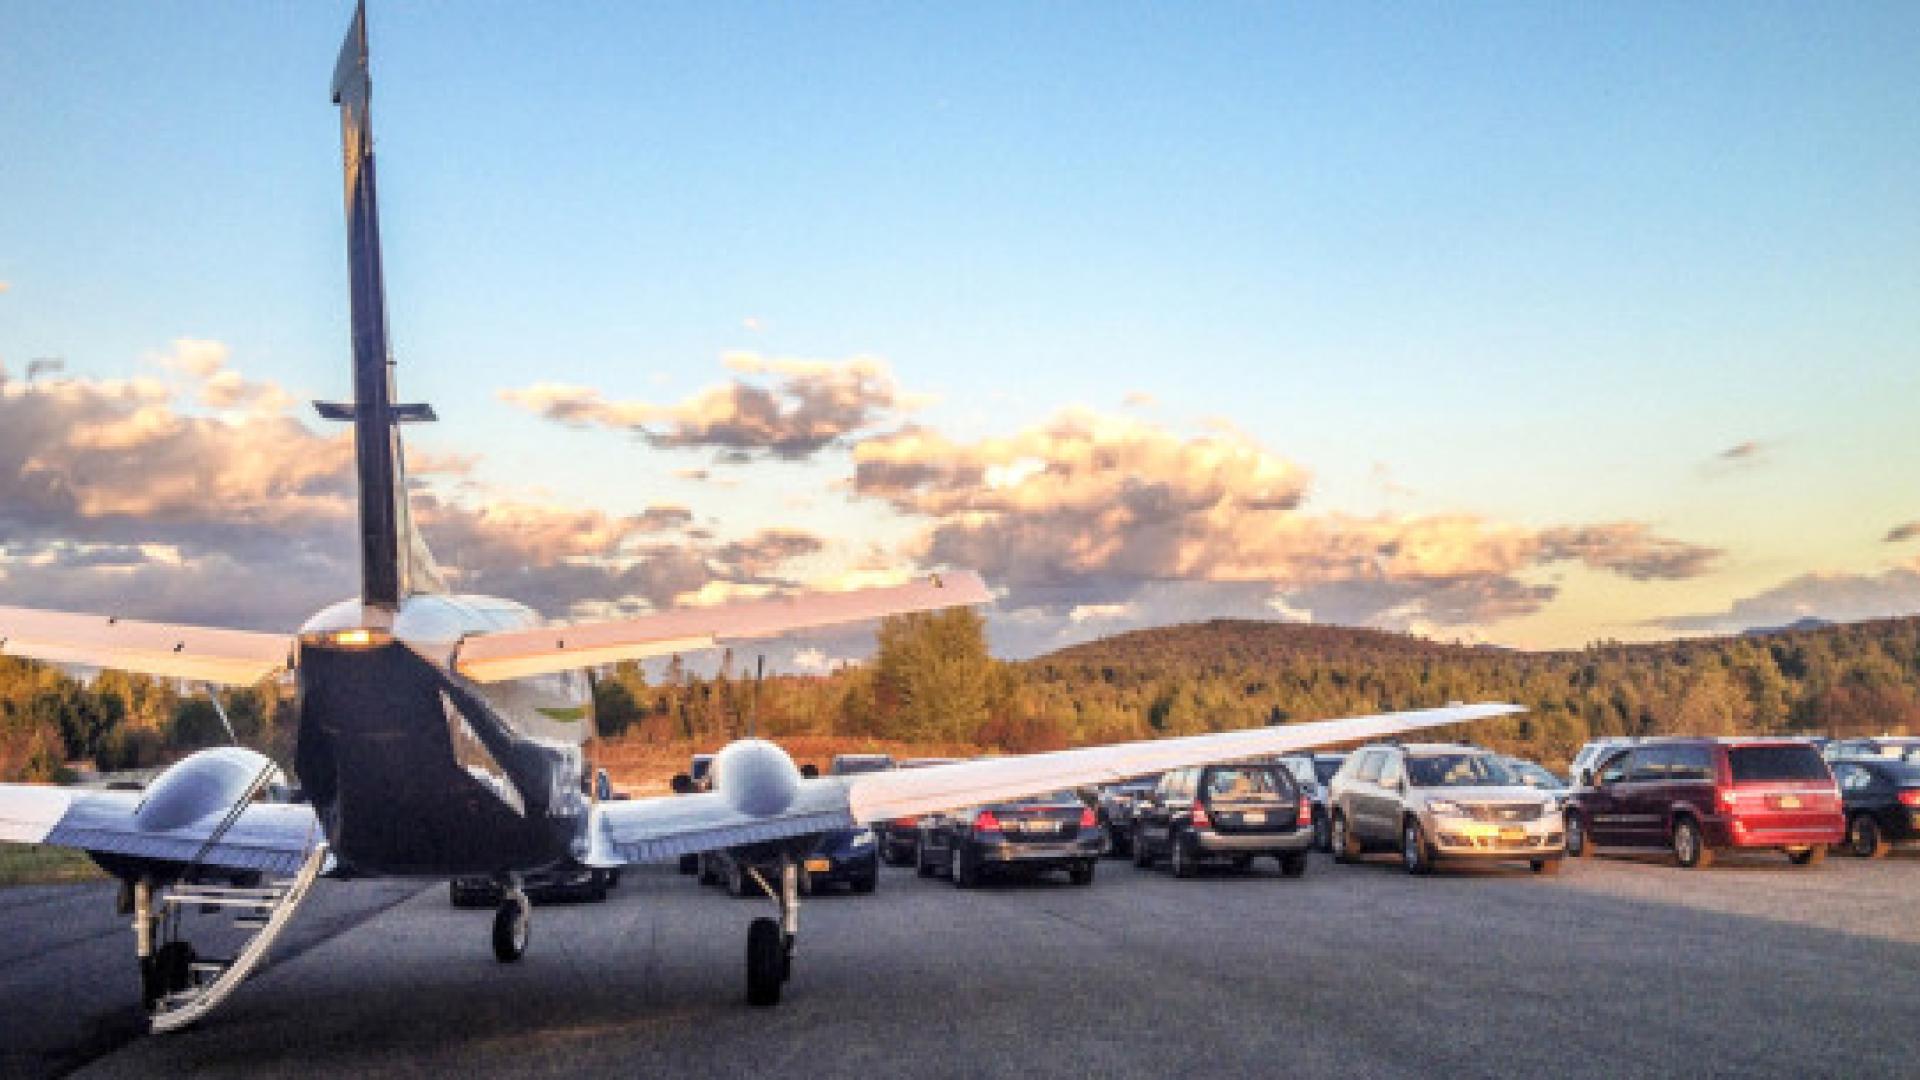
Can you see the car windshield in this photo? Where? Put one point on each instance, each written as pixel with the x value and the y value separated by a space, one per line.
pixel 1535 776
pixel 1776 763
pixel 1458 770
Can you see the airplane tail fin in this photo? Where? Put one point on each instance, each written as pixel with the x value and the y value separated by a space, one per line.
pixel 394 562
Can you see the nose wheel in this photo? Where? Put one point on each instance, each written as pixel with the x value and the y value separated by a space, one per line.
pixel 512 926
pixel 770 941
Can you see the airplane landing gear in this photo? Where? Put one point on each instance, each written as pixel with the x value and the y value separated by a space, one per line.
pixel 512 925
pixel 770 941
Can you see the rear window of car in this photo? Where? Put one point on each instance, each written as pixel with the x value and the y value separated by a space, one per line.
pixel 849 766
pixel 1775 763
pixel 1241 783
pixel 1325 767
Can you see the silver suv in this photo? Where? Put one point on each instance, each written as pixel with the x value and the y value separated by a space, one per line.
pixel 1434 803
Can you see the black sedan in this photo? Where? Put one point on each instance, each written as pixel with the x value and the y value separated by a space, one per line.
pixel 1881 797
pixel 849 857
pixel 1046 832
pixel 1116 812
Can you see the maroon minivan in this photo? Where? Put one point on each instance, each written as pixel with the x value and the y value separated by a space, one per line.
pixel 1693 796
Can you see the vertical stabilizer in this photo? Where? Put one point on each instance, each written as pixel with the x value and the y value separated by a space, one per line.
pixel 393 562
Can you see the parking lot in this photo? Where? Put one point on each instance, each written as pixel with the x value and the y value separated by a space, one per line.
pixel 1614 968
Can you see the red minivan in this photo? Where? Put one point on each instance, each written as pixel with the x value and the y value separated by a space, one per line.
pixel 1693 796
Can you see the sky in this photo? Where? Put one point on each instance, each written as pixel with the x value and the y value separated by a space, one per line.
pixel 1526 324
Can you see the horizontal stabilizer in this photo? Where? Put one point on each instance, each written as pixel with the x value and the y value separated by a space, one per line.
pixel 412 413
pixel 519 654
pixel 204 654
pixel 269 837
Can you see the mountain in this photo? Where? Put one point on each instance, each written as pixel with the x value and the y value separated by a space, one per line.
pixel 1808 622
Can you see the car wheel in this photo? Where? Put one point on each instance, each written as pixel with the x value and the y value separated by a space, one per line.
pixel 739 885
pixel 868 883
pixel 966 871
pixel 1122 844
pixel 707 874
pixel 1865 839
pixel 1546 867
pixel 1413 849
pixel 1322 832
pixel 1690 849
pixel 1182 857
pixel 1813 856
pixel 1293 864
pixel 1081 874
pixel 689 864
pixel 1142 854
pixel 920 864
pixel 1345 848
pixel 1577 845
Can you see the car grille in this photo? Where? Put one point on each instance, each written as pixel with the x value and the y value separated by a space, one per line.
pixel 1503 811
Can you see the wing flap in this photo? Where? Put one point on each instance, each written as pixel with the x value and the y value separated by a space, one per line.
pixel 201 653
pixel 269 837
pixel 518 654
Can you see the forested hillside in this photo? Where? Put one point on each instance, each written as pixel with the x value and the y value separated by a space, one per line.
pixel 933 683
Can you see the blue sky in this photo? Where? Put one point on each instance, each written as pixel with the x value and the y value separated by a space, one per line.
pixel 1536 265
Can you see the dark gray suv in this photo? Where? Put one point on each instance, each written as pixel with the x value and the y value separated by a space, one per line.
pixel 1224 813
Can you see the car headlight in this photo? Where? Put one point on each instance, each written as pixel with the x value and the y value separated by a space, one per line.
pixel 863 838
pixel 1442 806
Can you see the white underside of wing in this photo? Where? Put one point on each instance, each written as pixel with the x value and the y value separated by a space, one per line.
pixel 28 813
pixel 517 654
pixel 201 653
pixel 905 792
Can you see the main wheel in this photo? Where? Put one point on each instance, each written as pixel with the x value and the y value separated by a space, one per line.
pixel 1690 849
pixel 1081 873
pixel 1345 847
pixel 1865 839
pixel 512 929
pixel 1413 849
pixel 1185 865
pixel 1293 864
pixel 1577 845
pixel 766 962
pixel 1813 856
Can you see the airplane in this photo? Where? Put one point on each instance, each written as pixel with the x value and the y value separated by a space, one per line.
pixel 443 734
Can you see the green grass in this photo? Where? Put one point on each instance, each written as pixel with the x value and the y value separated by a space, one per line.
pixel 37 864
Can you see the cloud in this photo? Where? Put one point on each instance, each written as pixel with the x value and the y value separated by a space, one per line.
pixel 5 286
pixel 115 498
pixel 1836 597
pixel 780 407
pixel 1095 513
pixel 1741 456
pixel 1900 534
pixel 1139 399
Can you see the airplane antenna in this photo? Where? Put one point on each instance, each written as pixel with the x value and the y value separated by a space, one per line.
pixel 753 714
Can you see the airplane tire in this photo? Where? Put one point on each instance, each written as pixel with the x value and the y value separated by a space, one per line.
pixel 767 964
pixel 512 929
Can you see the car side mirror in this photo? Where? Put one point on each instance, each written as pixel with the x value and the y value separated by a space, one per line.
pixel 682 784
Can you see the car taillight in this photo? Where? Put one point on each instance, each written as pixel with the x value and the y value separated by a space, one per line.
pixel 1087 820
pixel 1200 818
pixel 986 822
pixel 906 823
pixel 1910 797
pixel 1305 814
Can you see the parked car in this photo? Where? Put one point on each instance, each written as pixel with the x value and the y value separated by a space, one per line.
pixel 1696 796
pixel 1579 771
pixel 1436 803
pixel 1233 813
pixel 852 764
pixel 900 838
pixel 1533 774
pixel 1881 798
pixel 1117 804
pixel 844 857
pixel 697 778
pixel 569 883
pixel 1897 747
pixel 1314 772
pixel 1057 831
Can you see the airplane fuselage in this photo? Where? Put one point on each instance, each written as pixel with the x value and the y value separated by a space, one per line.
pixel 414 769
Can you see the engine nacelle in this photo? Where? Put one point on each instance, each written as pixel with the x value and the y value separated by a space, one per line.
pixel 755 777
pixel 204 782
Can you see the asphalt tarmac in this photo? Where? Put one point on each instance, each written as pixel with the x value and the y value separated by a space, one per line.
pixel 1614 968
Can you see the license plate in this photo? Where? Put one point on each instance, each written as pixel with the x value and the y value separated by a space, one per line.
pixel 1254 817
pixel 1510 832
pixel 1042 826
pixel 1789 802
pixel 819 866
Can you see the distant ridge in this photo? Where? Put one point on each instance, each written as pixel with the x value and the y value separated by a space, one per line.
pixel 1809 622
pixel 1239 642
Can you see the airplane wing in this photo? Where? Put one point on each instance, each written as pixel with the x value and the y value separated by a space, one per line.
pixel 269 837
pixel 660 829
pixel 204 654
pixel 517 654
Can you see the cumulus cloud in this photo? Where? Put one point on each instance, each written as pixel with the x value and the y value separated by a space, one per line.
pixel 779 407
pixel 115 498
pixel 1087 513
pixel 1901 533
